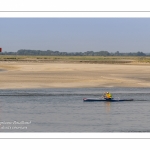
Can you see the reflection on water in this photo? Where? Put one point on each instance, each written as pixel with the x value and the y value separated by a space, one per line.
pixel 63 110
pixel 107 104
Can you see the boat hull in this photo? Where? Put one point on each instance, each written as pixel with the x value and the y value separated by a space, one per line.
pixel 105 100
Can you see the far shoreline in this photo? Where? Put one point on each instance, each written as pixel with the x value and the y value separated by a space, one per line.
pixel 72 88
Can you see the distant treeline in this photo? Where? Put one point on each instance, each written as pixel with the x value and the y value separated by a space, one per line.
pixel 57 53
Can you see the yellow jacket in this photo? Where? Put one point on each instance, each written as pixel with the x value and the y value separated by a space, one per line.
pixel 108 95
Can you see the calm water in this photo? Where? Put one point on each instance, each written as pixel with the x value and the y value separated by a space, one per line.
pixel 63 110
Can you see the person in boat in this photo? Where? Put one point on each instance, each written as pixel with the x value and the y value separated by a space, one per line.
pixel 108 95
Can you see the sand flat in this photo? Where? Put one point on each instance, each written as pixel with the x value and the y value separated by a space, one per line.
pixel 19 75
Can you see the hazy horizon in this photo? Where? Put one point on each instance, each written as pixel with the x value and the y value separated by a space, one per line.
pixel 75 34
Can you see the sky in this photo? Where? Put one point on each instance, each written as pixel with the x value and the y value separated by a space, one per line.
pixel 75 34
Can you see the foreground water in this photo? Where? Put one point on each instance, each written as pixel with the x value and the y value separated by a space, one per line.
pixel 63 110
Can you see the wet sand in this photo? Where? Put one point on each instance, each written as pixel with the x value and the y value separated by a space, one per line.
pixel 17 75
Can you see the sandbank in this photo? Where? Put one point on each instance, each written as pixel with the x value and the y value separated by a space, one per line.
pixel 18 75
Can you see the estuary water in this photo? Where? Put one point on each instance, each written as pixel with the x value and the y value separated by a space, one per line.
pixel 63 110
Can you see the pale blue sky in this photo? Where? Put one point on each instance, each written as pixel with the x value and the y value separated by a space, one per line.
pixel 75 34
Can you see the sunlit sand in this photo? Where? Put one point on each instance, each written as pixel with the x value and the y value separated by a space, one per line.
pixel 17 75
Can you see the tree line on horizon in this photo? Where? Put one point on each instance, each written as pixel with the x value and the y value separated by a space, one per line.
pixel 57 53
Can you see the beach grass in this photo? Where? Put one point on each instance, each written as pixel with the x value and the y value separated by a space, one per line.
pixel 78 59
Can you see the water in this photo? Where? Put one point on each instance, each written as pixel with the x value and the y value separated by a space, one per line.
pixel 63 110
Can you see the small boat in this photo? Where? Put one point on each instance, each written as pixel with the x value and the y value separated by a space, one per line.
pixel 105 100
